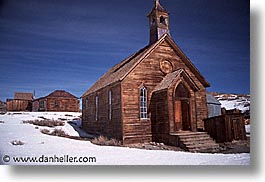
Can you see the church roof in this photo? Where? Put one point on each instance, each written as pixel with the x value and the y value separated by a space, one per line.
pixel 169 79
pixel 122 69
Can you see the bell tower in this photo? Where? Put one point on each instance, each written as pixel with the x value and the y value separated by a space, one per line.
pixel 158 22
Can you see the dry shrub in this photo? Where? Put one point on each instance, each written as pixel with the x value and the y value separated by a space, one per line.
pixel 17 142
pixel 45 122
pixel 62 119
pixel 2 122
pixel 42 117
pixel 45 131
pixel 58 132
pixel 102 140
pixel 69 115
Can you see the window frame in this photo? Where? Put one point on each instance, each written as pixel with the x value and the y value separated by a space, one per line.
pixel 41 104
pixel 96 107
pixel 110 105
pixel 56 103
pixel 143 114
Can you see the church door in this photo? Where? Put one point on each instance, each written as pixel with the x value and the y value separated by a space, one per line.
pixel 182 108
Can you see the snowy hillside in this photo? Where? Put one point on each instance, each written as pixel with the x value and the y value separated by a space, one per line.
pixel 25 140
pixel 234 101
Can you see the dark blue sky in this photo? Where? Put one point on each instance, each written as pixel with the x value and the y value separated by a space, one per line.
pixel 66 44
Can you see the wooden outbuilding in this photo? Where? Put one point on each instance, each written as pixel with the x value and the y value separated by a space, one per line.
pixel 226 127
pixel 149 96
pixel 213 105
pixel 22 102
pixel 59 100
pixel 2 107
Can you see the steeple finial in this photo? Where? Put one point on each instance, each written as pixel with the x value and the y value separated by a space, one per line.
pixel 156 3
pixel 158 22
pixel 159 7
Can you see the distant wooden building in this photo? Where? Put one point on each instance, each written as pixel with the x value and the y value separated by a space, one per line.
pixel 151 95
pixel 2 107
pixel 21 102
pixel 213 105
pixel 59 100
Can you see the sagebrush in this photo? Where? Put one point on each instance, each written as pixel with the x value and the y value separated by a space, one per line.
pixel 102 140
pixel 45 122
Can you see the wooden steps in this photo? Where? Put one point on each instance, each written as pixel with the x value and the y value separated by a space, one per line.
pixel 196 141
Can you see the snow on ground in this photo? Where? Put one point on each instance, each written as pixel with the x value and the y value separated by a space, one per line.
pixel 234 104
pixel 232 101
pixel 39 145
pixel 247 127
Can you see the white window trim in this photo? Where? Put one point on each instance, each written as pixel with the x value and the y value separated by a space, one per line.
pixel 143 103
pixel 110 105
pixel 96 114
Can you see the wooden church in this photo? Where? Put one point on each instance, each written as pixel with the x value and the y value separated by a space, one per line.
pixel 153 95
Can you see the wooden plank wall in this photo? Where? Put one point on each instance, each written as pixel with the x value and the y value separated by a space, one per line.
pixel 149 74
pixel 111 128
pixel 159 117
pixel 19 105
pixel 64 104
pixel 226 128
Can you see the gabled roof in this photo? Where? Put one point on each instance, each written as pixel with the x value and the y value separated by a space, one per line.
pixel 169 79
pixel 121 70
pixel 61 93
pixel 23 96
pixel 58 94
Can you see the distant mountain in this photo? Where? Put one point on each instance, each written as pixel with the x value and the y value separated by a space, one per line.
pixel 234 101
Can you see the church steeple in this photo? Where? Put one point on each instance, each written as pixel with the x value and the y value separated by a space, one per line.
pixel 158 22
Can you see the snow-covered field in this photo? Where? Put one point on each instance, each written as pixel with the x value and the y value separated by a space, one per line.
pixel 233 101
pixel 45 147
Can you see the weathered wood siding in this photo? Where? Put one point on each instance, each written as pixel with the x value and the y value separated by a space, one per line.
pixel 160 117
pixel 148 74
pixel 64 104
pixel 19 105
pixel 104 125
pixel 226 128
pixel 199 107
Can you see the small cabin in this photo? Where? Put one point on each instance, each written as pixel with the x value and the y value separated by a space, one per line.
pixel 57 101
pixel 22 102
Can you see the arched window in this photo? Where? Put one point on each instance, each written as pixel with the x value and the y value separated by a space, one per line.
pixel 143 103
pixel 162 20
pixel 110 105
pixel 96 115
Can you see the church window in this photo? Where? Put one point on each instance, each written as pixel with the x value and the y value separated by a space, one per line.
pixel 143 103
pixel 96 115
pixel 110 105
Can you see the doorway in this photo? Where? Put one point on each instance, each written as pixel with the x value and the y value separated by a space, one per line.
pixel 182 109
